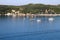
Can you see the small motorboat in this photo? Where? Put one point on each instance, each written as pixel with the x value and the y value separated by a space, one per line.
pixel 51 19
pixel 38 20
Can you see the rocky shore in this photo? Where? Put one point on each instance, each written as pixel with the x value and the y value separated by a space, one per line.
pixel 48 15
pixel 31 14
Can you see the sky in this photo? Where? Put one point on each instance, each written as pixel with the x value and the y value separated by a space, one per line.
pixel 24 2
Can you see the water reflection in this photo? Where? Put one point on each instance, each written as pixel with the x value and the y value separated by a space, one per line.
pixel 36 19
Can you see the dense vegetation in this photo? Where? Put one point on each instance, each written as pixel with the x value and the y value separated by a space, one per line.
pixel 30 8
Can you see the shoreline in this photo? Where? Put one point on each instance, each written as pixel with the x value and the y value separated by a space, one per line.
pixel 48 15
pixel 32 15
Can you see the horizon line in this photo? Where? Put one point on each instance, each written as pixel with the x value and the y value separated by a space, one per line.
pixel 29 3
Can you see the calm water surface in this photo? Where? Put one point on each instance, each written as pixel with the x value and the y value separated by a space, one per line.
pixel 24 28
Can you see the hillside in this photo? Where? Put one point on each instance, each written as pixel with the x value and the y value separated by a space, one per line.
pixel 30 8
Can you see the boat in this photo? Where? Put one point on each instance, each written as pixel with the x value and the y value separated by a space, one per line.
pixel 51 19
pixel 38 20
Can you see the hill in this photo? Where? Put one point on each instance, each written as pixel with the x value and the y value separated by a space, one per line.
pixel 30 8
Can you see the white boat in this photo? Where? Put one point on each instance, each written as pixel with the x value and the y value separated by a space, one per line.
pixel 38 20
pixel 51 19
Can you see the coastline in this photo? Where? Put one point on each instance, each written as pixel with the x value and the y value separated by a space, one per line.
pixel 48 15
pixel 31 14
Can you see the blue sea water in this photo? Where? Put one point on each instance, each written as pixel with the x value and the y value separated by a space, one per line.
pixel 25 28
